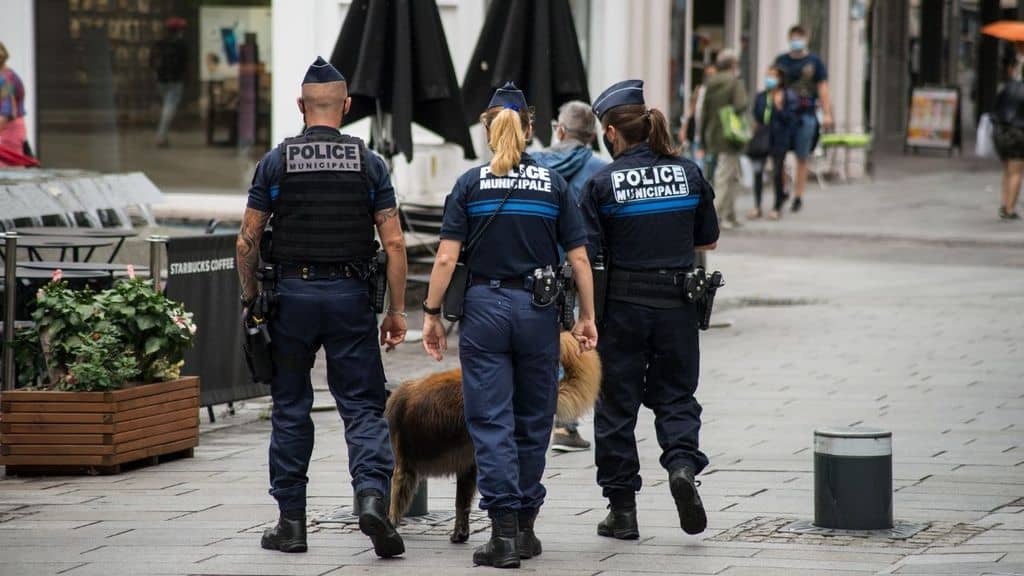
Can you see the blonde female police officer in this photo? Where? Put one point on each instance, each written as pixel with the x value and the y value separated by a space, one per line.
pixel 508 346
pixel 647 212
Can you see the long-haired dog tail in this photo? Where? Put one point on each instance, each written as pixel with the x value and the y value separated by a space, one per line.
pixel 579 388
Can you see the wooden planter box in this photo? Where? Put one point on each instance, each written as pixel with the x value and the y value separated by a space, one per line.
pixel 42 431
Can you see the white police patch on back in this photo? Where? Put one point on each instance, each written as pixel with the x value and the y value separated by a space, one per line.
pixel 649 183
pixel 322 157
pixel 523 177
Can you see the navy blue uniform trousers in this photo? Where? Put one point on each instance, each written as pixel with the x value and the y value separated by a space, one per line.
pixel 509 353
pixel 649 356
pixel 335 314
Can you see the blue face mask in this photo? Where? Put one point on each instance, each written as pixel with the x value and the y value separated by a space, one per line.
pixel 797 45
pixel 771 83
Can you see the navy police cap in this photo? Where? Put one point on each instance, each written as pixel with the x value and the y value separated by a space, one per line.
pixel 619 94
pixel 321 71
pixel 508 96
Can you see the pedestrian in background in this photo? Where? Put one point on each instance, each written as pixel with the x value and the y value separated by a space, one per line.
pixel 646 213
pixel 12 107
pixel 169 59
pixel 689 135
pixel 774 115
pixel 573 158
pixel 806 75
pixel 724 89
pixel 1008 121
pixel 324 217
pixel 512 215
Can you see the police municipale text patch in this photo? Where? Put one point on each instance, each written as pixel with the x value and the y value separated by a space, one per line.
pixel 649 183
pixel 322 157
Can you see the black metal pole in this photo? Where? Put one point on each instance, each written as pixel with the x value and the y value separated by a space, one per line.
pixel 10 293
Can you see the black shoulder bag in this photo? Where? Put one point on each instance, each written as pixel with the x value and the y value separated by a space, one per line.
pixel 455 296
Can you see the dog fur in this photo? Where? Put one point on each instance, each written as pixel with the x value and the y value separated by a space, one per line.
pixel 430 439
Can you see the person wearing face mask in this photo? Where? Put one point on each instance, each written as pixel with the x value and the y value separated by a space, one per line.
pixel 646 214
pixel 774 115
pixel 806 75
pixel 573 158
pixel 324 193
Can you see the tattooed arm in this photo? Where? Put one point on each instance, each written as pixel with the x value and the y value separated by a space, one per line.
pixel 392 329
pixel 247 249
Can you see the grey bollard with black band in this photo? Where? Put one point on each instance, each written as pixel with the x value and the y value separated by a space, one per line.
pixel 853 478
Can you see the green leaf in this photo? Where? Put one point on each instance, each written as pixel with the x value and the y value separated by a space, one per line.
pixel 145 322
pixel 153 344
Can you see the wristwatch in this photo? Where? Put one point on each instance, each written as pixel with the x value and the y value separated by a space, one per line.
pixel 430 311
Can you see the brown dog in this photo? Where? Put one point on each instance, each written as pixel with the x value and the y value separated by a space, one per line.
pixel 429 436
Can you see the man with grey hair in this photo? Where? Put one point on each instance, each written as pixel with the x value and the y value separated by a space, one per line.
pixel 573 158
pixel 724 89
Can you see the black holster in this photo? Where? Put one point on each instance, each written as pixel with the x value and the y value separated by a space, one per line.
pixel 256 343
pixel 699 289
pixel 378 279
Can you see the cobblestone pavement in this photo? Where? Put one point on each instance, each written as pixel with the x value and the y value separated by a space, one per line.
pixel 926 347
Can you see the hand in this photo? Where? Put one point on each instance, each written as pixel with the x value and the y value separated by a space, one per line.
pixel 392 331
pixel 585 332
pixel 826 121
pixel 435 339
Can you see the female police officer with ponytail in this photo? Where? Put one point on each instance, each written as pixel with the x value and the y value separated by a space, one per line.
pixel 512 215
pixel 646 213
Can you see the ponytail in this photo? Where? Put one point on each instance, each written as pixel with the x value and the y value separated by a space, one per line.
pixel 636 124
pixel 507 137
pixel 659 138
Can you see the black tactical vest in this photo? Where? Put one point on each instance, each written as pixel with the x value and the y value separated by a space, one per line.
pixel 323 212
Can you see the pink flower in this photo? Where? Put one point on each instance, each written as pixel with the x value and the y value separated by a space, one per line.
pixel 57 275
pixel 131 272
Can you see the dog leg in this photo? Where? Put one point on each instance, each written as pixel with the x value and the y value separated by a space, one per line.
pixel 465 488
pixel 403 491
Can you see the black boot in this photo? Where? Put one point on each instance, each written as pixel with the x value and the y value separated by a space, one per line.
pixel 620 522
pixel 529 544
pixel 288 536
pixel 373 521
pixel 692 517
pixel 501 551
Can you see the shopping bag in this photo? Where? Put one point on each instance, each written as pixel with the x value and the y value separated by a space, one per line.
pixel 984 146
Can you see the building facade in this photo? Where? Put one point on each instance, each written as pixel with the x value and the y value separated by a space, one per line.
pixel 93 101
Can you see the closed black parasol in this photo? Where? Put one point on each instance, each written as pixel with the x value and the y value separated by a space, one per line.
pixel 395 56
pixel 532 43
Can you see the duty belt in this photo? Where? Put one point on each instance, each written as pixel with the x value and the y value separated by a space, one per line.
pixel 657 285
pixel 517 283
pixel 321 271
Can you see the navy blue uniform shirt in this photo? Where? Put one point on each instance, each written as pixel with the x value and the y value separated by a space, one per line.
pixel 538 217
pixel 266 180
pixel 649 211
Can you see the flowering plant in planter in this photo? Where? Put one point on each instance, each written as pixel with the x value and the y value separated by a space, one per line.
pixel 100 341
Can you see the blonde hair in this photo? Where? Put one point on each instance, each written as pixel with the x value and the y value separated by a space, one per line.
pixel 507 137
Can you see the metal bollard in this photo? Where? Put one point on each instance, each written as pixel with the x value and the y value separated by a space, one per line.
pixel 156 244
pixel 419 503
pixel 10 301
pixel 853 479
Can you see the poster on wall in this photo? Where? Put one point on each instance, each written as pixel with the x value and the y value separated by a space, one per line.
pixel 933 118
pixel 222 30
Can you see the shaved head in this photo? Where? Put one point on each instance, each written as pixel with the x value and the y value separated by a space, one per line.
pixel 324 103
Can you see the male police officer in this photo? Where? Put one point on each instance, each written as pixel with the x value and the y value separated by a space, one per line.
pixel 647 211
pixel 326 192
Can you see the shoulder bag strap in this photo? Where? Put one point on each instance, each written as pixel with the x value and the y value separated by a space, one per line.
pixel 475 239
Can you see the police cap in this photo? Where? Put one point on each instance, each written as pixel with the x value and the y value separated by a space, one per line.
pixel 619 94
pixel 508 96
pixel 321 71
